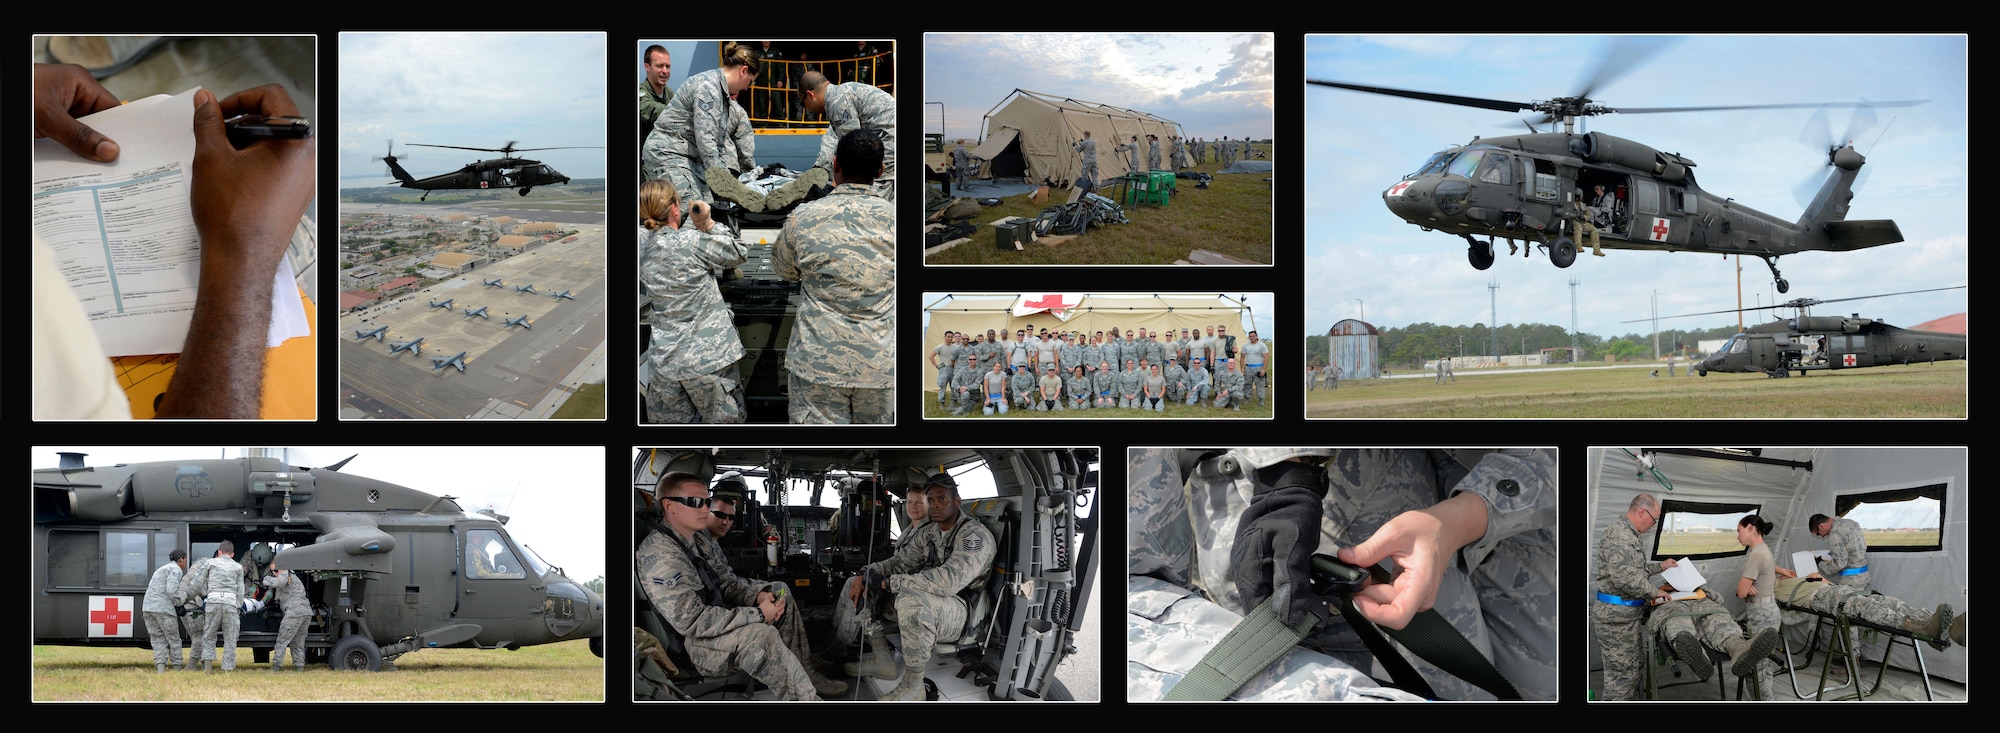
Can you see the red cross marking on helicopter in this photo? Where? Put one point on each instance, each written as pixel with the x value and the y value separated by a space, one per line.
pixel 1397 190
pixel 1659 230
pixel 111 616
pixel 1847 360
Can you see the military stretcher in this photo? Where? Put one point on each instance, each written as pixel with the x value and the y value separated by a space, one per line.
pixel 1845 642
pixel 1716 660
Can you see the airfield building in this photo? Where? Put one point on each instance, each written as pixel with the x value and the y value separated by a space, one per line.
pixel 517 242
pixel 456 263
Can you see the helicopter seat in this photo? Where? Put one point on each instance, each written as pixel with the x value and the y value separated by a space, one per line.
pixel 1001 516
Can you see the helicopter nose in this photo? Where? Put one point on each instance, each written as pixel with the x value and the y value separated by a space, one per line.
pixel 1412 200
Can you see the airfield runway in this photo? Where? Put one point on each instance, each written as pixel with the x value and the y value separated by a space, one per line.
pixel 509 372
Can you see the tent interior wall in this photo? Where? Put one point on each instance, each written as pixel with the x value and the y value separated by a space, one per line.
pixel 1046 129
pixel 1788 497
pixel 974 314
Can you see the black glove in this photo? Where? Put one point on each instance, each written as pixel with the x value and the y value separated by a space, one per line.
pixel 180 610
pixel 1275 540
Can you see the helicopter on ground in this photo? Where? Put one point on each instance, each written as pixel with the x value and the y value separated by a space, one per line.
pixel 1807 343
pixel 505 171
pixel 1542 188
pixel 389 569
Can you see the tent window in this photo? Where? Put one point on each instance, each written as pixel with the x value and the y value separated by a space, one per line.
pixel 1699 530
pixel 1898 520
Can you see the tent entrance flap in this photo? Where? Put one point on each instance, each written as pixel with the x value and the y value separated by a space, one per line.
pixel 1002 154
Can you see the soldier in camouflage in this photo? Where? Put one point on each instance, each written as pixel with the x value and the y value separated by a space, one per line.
pixel 292 601
pixel 1622 593
pixel 849 622
pixel 1129 383
pixel 1198 385
pixel 218 581
pixel 162 626
pixel 1176 377
pixel 1153 153
pixel 723 507
pixel 966 383
pixel 961 165
pixel 1071 354
pixel 948 555
pixel 841 249
pixel 1021 387
pixel 1941 626
pixel 727 623
pixel 1483 558
pixel 850 107
pixel 1088 148
pixel 1077 387
pixel 694 346
pixel 1154 352
pixel 1228 386
pixel 689 145
pixel 1131 151
pixel 1105 384
pixel 1846 561
pixel 943 357
pixel 1690 624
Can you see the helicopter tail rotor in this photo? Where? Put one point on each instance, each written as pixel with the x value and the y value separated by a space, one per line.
pixel 389 158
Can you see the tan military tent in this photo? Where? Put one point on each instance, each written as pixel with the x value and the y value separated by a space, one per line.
pixel 1033 136
pixel 977 312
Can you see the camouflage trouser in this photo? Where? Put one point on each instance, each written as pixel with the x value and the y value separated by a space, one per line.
pixel 1195 394
pixel 192 624
pixel 757 649
pixel 1875 609
pixel 944 384
pixel 851 624
pixel 1616 630
pixel 715 399
pixel 680 171
pixel 1258 382
pixel 1759 616
pixel 165 633
pixel 969 402
pixel 1176 393
pixel 1079 403
pixel 1228 398
pixel 1089 174
pixel 1048 405
pixel 222 617
pixel 291 635
pixel 792 630
pixel 813 403
pixel 924 619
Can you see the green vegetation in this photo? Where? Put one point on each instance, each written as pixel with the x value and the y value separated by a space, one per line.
pixel 1917 390
pixel 586 404
pixel 1891 538
pixel 1682 544
pixel 1406 347
pixel 1232 216
pixel 565 671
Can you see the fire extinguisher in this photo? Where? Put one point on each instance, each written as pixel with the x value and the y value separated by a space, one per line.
pixel 771 545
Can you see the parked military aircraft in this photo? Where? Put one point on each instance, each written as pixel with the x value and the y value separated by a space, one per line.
pixel 493 283
pixel 562 295
pixel 389 570
pixel 522 322
pixel 414 347
pixel 440 362
pixel 445 305
pixel 528 288
pixel 377 334
pixel 505 171
pixel 469 312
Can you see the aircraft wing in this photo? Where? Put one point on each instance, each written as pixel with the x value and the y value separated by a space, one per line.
pixel 347 542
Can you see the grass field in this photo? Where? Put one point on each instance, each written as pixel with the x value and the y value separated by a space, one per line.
pixel 1232 216
pixel 1174 412
pixel 1918 390
pixel 586 404
pixel 558 672
pixel 1681 544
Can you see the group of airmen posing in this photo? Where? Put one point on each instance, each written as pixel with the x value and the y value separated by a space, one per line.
pixel 1045 372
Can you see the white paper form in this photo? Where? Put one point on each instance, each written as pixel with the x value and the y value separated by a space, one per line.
pixel 1683 577
pixel 123 235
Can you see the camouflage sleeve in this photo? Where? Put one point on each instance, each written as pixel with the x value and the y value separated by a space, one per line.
pixel 710 127
pixel 673 586
pixel 841 118
pixel 785 252
pixel 969 561
pixel 1520 492
pixel 715 249
pixel 1848 546
pixel 192 583
pixel 1622 567
pixel 908 557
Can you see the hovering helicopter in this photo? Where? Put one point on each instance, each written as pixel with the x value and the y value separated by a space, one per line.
pixel 505 171
pixel 390 570
pixel 1806 343
pixel 1542 188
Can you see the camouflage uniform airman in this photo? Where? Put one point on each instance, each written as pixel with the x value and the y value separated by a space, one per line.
pixel 1176 377
pixel 947 360
pixel 1131 151
pixel 1073 355
pixel 691 136
pixel 1228 387
pixel 717 615
pixel 966 384
pixel 1021 387
pixel 694 346
pixel 1105 384
pixel 1704 621
pixel 1256 376
pixel 1498 591
pixel 1847 549
pixel 841 249
pixel 961 165
pixel 1153 154
pixel 1622 572
pixel 1088 148
pixel 1198 385
pixel 926 575
pixel 1077 387
pixel 162 628
pixel 298 612
pixel 742 149
pixel 218 581
pixel 1129 383
pixel 856 106
pixel 1152 350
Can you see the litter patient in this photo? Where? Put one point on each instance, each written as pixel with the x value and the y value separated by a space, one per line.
pixel 1940 628
pixel 1689 624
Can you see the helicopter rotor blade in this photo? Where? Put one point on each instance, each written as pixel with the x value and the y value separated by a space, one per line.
pixel 1623 56
pixel 456 147
pixel 1798 303
pixel 1492 104
pixel 1799 105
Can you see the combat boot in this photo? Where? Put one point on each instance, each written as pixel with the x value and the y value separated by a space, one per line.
pixel 911 688
pixel 1746 653
pixel 1934 629
pixel 205 668
pixel 1958 630
pixel 159 668
pixel 880 664
pixel 825 686
pixel 1689 650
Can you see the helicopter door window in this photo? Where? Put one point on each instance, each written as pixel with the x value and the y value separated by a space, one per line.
pixel 1646 197
pixel 125 559
pixel 1498 169
pixel 487 556
pixel 72 558
pixel 1682 201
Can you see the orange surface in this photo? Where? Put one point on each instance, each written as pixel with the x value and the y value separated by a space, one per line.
pixel 290 372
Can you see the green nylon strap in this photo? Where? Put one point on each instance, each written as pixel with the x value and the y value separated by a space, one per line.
pixel 1255 642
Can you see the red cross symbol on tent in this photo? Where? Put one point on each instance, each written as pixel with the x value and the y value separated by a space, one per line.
pixel 1660 230
pixel 105 612
pixel 1050 301
pixel 1847 360
pixel 1397 190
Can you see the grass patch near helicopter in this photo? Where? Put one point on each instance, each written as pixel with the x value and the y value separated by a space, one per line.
pixel 1232 216
pixel 551 672
pixel 1910 391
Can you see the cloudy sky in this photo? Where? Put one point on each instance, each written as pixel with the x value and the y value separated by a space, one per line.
pixel 1213 84
pixel 553 496
pixel 1359 144
pixel 472 90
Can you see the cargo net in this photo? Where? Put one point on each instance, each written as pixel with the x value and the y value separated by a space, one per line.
pixel 1075 218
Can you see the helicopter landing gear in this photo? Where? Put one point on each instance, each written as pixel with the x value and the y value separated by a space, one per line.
pixel 1480 254
pixel 1562 252
pixel 424 197
pixel 1772 262
pixel 525 189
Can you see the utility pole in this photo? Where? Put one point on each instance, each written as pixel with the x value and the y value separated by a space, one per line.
pixel 1493 317
pixel 1574 354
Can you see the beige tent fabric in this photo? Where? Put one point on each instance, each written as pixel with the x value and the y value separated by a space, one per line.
pixel 1048 128
pixel 1095 313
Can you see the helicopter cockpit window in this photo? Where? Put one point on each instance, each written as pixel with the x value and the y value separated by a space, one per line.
pixel 1466 163
pixel 535 561
pixel 1435 164
pixel 1497 169
pixel 1737 345
pixel 488 556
